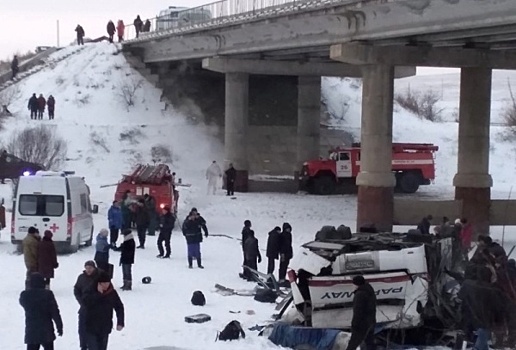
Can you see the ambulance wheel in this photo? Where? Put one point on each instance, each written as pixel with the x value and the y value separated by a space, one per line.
pixel 89 242
pixel 409 182
pixel 324 185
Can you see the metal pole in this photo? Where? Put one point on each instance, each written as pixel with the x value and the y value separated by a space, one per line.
pixel 57 33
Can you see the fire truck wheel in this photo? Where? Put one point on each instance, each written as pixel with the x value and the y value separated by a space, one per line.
pixel 409 182
pixel 324 185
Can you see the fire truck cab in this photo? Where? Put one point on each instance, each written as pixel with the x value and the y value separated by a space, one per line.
pixel 154 180
pixel 413 166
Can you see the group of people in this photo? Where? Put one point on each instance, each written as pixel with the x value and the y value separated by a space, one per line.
pixel 214 172
pixel 119 29
pixel 40 255
pixel 279 246
pixel 37 106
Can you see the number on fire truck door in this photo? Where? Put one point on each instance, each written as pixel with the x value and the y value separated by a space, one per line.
pixel 344 165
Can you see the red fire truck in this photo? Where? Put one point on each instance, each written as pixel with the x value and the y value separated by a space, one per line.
pixel 412 163
pixel 154 180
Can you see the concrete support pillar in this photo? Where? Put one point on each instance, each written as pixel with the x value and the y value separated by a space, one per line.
pixel 472 181
pixel 308 119
pixel 376 180
pixel 236 126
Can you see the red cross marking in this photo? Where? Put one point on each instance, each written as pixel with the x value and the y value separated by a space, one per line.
pixel 54 227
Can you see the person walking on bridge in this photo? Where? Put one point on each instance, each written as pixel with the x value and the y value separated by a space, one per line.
pixel 111 31
pixel 120 28
pixel 138 24
pixel 80 34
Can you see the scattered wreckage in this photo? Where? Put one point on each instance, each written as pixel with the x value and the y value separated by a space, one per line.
pixel 410 272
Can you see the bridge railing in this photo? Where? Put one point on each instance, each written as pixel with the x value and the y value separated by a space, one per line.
pixel 209 14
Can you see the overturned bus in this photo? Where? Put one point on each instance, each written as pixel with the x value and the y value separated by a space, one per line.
pixel 408 271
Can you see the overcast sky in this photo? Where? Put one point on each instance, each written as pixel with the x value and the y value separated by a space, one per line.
pixel 30 23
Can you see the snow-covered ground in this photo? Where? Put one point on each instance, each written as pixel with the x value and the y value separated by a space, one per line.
pixel 106 139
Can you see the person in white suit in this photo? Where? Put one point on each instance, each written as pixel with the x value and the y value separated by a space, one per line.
pixel 212 175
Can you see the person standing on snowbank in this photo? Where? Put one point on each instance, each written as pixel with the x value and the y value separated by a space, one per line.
pixel 41 309
pixel 14 67
pixel 47 258
pixel 33 107
pixel 127 250
pixel 111 31
pixel 41 106
pixel 100 301
pixel 51 104
pixel 120 28
pixel 212 175
pixel 80 34
pixel 115 222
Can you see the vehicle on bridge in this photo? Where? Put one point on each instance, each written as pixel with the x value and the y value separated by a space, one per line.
pixel 175 16
pixel 408 271
pixel 154 180
pixel 412 163
pixel 12 167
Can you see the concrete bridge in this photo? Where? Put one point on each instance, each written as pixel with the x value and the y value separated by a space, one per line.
pixel 265 48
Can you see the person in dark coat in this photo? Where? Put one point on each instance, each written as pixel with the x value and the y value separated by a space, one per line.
pixel 138 24
pixel 115 222
pixel 230 180
pixel 252 254
pixel 14 67
pixel 150 206
pixel 40 310
pixel 482 305
pixel 364 315
pixel 80 34
pixel 51 104
pixel 111 30
pixel 127 250
pixel 273 248
pixel 245 235
pixel 84 283
pixel 41 106
pixel 424 225
pixel 33 107
pixel 166 225
pixel 192 229
pixel 102 251
pixel 146 26
pixel 100 301
pixel 125 208
pixel 142 222
pixel 47 258
pixel 285 250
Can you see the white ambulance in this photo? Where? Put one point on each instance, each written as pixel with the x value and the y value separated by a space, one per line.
pixel 55 201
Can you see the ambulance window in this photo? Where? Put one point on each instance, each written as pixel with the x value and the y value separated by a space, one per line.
pixel 84 204
pixel 53 205
pixel 28 205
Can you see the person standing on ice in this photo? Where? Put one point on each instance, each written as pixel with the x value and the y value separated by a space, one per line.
pixel 127 250
pixel 51 104
pixel 102 250
pixel 142 222
pixel 47 258
pixel 120 28
pixel 285 250
pixel 212 175
pixel 252 254
pixel 80 34
pixel 111 31
pixel 166 225
pixel 41 309
pixel 245 235
pixel 33 106
pixel 100 301
pixel 273 247
pixel 84 283
pixel 14 67
pixel 364 315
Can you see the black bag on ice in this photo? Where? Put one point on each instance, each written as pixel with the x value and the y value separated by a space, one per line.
pixel 232 331
pixel 198 298
pixel 265 295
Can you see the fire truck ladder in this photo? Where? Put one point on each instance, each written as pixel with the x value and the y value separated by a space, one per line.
pixel 151 174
